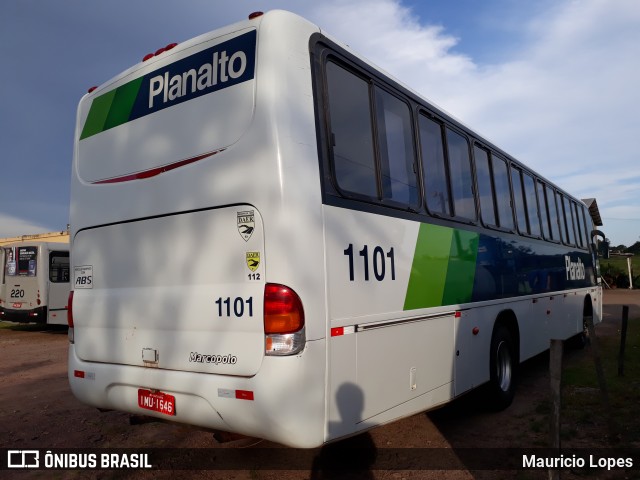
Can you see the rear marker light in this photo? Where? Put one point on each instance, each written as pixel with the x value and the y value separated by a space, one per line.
pixel 244 394
pixel 91 89
pixel 340 331
pixel 70 332
pixel 160 51
pixel 78 373
pixel 255 15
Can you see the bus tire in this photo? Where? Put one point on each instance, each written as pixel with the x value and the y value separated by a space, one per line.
pixel 503 363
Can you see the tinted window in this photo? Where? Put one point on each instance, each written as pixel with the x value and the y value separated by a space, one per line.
pixel 576 224
pixel 532 204
pixel 565 219
pixel 485 187
pixel 460 175
pixel 351 131
pixel 553 214
pixel 395 139
pixel 587 227
pixel 503 192
pixel 544 216
pixel 433 166
pixel 518 197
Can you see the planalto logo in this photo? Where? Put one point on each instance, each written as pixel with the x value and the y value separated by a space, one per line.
pixel 575 270
pixel 224 65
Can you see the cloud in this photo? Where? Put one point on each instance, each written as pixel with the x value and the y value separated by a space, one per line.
pixel 563 101
pixel 11 226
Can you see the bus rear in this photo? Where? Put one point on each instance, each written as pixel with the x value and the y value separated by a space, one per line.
pixel 180 308
pixel 35 283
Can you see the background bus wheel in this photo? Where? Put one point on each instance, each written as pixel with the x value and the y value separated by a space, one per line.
pixel 503 364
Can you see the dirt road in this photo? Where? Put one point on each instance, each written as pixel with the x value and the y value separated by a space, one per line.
pixel 38 411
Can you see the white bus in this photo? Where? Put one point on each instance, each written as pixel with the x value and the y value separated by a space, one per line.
pixel 298 247
pixel 35 282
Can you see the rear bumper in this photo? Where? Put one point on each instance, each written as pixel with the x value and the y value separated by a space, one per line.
pixel 286 404
pixel 36 315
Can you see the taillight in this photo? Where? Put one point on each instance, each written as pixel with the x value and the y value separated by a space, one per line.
pixel 70 316
pixel 283 321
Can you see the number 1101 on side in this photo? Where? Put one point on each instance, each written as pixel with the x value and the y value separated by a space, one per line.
pixel 378 262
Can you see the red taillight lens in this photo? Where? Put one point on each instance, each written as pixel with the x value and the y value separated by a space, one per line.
pixel 70 310
pixel 283 312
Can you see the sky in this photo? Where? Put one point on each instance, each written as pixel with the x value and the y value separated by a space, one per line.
pixel 556 83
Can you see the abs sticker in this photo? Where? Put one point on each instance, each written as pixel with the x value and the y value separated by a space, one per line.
pixel 246 224
pixel 83 277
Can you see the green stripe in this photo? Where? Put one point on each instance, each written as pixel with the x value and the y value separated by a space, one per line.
pixel 111 109
pixel 98 114
pixel 429 269
pixel 462 268
pixel 443 268
pixel 122 105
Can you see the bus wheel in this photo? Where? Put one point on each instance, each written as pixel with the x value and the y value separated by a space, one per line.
pixel 503 363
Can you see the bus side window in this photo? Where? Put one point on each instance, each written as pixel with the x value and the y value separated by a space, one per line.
pixel 503 192
pixel 569 219
pixel 586 229
pixel 533 212
pixel 485 186
pixel 460 175
pixel 395 144
pixel 518 197
pixel 544 214
pixel 553 214
pixel 351 132
pixel 433 166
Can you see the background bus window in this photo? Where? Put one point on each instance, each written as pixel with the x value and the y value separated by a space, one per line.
pixel 59 267
pixel 350 117
pixel 485 187
pixel 518 197
pixel 395 140
pixel 433 166
pixel 503 192
pixel 460 175
pixel 532 204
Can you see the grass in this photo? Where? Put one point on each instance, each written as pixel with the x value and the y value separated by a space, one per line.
pixel 583 406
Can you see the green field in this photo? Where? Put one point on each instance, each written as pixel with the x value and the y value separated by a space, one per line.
pixel 615 271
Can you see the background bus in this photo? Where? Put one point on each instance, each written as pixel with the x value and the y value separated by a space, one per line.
pixel 35 282
pixel 299 248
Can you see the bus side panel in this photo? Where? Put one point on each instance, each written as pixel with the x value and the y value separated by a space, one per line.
pixel 385 362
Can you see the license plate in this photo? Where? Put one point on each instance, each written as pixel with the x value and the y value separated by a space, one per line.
pixel 157 401
pixel 17 305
